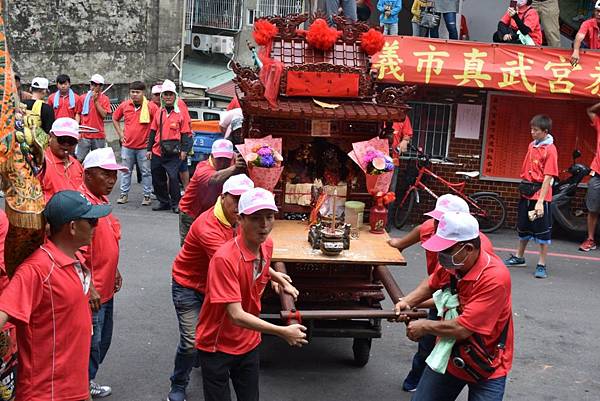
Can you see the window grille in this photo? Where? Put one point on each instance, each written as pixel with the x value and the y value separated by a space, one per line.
pixel 431 123
pixel 279 7
pixel 220 14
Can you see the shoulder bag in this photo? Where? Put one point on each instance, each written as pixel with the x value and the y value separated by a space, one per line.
pixel 168 147
pixel 429 18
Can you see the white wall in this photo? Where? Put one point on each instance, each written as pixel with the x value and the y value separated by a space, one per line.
pixel 483 16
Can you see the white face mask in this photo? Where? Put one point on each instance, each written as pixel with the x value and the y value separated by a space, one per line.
pixel 521 3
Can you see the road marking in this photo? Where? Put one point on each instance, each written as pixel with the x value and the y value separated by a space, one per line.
pixel 559 255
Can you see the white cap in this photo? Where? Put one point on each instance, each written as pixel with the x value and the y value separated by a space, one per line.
pixel 168 86
pixel 597 6
pixel 237 184
pixel 453 227
pixel 97 79
pixel 448 203
pixel 156 89
pixel 65 126
pixel 103 158
pixel 222 148
pixel 256 199
pixel 237 123
pixel 39 83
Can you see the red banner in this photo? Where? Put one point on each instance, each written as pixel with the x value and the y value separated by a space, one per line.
pixel 537 71
pixel 322 84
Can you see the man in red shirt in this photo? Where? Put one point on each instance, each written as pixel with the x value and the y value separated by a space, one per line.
pixel 482 284
pixel 47 300
pixel 209 231
pixel 64 100
pixel 61 170
pixel 138 113
pixel 102 258
pixel 207 182
pixel 169 142
pixel 92 108
pixel 592 198
pixel 588 35
pixel 534 219
pixel 421 233
pixel 229 329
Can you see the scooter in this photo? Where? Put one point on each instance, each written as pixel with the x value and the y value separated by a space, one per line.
pixel 572 222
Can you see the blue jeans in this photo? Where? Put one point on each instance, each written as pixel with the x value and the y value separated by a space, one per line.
pixel 85 146
pixel 426 344
pixel 450 20
pixel 187 304
pixel 129 157
pixel 390 29
pixel 437 387
pixel 102 326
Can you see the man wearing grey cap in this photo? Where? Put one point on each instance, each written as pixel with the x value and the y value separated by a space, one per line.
pixel 47 299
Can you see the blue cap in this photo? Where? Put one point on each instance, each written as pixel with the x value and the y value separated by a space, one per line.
pixel 66 206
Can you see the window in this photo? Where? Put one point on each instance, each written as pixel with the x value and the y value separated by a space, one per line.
pixel 250 17
pixel 279 7
pixel 431 124
pixel 207 116
pixel 221 14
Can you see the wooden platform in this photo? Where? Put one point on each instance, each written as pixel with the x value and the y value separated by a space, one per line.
pixel 290 240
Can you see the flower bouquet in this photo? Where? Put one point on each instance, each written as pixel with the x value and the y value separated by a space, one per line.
pixel 264 159
pixel 374 160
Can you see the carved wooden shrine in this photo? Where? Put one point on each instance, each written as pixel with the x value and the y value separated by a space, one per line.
pixel 326 100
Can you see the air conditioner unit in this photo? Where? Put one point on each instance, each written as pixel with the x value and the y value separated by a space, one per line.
pixel 201 42
pixel 222 44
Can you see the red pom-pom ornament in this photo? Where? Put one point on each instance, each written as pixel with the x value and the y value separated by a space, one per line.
pixel 264 32
pixel 322 36
pixel 372 41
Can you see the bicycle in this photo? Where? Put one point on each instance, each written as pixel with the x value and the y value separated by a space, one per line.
pixel 487 207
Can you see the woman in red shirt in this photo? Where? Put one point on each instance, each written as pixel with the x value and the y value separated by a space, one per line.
pixel 524 19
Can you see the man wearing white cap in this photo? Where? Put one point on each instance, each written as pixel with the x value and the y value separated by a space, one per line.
pixel 421 233
pixel 229 330
pixel 472 290
pixel 227 119
pixel 92 108
pixel 169 142
pixel 102 258
pixel 61 170
pixel 37 105
pixel 207 182
pixel 156 94
pixel 210 230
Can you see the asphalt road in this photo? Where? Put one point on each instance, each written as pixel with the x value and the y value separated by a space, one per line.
pixel 556 324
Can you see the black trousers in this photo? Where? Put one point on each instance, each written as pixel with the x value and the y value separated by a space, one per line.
pixel 218 367
pixel 165 179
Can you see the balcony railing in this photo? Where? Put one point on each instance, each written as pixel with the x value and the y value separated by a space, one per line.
pixel 279 7
pixel 219 14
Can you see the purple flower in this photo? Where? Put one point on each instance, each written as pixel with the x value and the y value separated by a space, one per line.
pixel 264 151
pixel 267 160
pixel 389 166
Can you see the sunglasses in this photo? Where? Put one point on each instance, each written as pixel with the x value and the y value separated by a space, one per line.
pixel 66 140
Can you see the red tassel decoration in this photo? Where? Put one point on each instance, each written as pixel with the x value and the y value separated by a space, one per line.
pixel 264 32
pixel 372 41
pixel 322 36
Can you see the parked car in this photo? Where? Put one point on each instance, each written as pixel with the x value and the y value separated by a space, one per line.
pixel 205 113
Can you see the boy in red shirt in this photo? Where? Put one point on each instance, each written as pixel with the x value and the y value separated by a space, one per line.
pixel 64 100
pixel 534 220
pixel 47 300
pixel 102 258
pixel 92 109
pixel 229 330
pixel 138 113
pixel 481 298
pixel 61 170
pixel 169 142
pixel 592 197
pixel 209 231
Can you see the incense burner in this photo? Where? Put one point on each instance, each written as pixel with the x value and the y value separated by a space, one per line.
pixel 330 241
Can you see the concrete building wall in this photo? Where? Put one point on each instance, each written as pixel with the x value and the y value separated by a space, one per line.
pixel 122 40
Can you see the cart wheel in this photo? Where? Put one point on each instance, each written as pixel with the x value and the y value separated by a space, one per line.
pixel 362 349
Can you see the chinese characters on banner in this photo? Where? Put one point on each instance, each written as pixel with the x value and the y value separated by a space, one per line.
pixel 542 72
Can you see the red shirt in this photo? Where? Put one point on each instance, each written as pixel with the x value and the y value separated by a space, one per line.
pixel 486 305
pixel 231 279
pixel 205 237
pixel 539 162
pixel 46 300
pixel 93 118
pixel 135 134
pixel 3 232
pixel 185 112
pixel 174 125
pixel 530 18
pixel 102 255
pixel 590 29
pixel 401 130
pixel 199 196
pixel 595 166
pixel 59 175
pixel 63 109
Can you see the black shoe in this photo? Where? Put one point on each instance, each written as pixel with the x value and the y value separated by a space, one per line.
pixel 175 210
pixel 161 207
